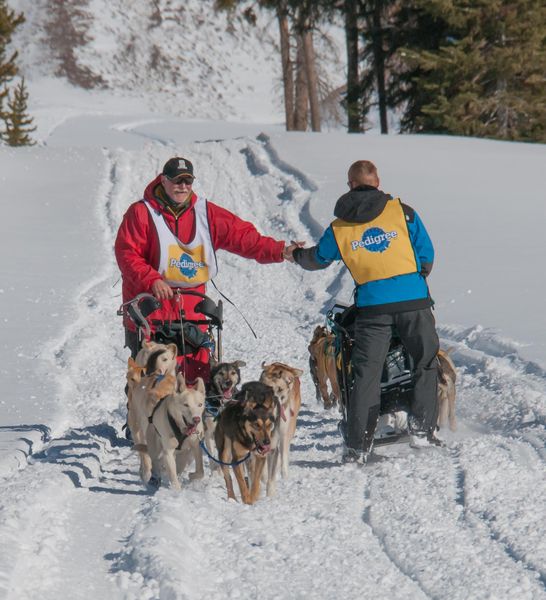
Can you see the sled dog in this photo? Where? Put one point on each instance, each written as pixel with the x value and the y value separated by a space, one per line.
pixel 244 431
pixel 447 376
pixel 322 364
pixel 150 347
pixel 174 431
pixel 286 386
pixel 153 360
pixel 224 379
pixel 144 397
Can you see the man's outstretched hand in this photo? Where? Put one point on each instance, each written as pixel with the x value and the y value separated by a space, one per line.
pixel 288 252
pixel 161 290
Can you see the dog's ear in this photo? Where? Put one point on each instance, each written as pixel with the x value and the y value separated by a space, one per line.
pixel 200 385
pixel 293 370
pixel 240 363
pixel 146 345
pixel 165 386
pixel 180 382
pixel 173 349
pixel 131 363
pixel 249 406
pixel 264 366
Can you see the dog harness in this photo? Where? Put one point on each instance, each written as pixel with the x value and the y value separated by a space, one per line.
pixel 185 265
pixel 180 437
pixel 378 249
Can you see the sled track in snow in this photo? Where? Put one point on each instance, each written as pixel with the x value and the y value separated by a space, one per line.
pixel 390 555
pixel 94 458
pixel 386 524
pixel 475 519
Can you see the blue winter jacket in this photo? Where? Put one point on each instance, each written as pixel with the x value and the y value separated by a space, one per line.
pixel 395 294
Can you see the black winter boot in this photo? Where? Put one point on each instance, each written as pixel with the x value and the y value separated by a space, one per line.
pixel 373 418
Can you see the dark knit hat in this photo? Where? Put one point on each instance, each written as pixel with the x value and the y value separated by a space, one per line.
pixel 177 166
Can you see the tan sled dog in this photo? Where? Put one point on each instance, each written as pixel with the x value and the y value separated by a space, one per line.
pixel 152 359
pixel 322 364
pixel 243 436
pixel 447 376
pixel 145 396
pixel 175 430
pixel 286 386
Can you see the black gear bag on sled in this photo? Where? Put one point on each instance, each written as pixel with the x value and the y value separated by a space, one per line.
pixel 396 378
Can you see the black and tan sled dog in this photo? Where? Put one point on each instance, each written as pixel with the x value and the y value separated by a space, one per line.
pixel 244 435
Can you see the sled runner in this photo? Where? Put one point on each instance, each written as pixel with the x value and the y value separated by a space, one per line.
pixel 396 379
pixel 191 336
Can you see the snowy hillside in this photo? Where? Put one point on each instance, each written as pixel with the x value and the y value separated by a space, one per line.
pixel 177 57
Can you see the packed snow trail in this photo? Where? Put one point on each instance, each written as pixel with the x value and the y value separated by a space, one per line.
pixel 462 522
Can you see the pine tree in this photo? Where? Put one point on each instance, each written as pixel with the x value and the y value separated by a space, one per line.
pixel 487 77
pixel 18 123
pixel 416 29
pixel 9 21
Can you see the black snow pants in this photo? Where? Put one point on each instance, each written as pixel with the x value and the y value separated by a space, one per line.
pixel 373 334
pixel 132 342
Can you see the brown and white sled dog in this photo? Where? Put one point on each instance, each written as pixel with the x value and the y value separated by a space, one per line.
pixel 322 365
pixel 286 386
pixel 223 385
pixel 447 376
pixel 244 433
pixel 175 430
pixel 160 360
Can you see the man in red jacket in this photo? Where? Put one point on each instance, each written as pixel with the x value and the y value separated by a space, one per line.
pixel 167 241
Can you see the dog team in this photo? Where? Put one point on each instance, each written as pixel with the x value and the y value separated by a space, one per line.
pixel 167 246
pixel 246 429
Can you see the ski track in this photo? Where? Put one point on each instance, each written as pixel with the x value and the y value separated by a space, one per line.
pixel 386 525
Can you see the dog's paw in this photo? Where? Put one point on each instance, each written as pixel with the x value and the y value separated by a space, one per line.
pixel 196 475
pixel 154 482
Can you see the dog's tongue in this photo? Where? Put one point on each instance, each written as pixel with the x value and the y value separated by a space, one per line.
pixel 264 449
pixel 191 429
pixel 228 394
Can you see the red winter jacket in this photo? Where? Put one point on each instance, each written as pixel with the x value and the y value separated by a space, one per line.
pixel 137 246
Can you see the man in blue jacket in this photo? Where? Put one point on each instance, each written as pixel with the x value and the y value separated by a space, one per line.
pixel 389 254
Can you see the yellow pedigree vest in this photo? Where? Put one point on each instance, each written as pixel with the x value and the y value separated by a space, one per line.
pixel 379 249
pixel 185 265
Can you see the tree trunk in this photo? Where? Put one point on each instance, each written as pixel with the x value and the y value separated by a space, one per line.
pixel 287 69
pixel 302 94
pixel 312 80
pixel 379 64
pixel 353 85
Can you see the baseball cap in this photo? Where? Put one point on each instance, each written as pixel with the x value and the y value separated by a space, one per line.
pixel 177 166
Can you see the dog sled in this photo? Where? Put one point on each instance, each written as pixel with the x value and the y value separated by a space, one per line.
pixel 396 378
pixel 193 337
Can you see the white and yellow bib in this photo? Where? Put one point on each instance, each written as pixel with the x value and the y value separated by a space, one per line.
pixel 379 249
pixel 185 265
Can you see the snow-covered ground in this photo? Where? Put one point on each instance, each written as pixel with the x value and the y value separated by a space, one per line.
pixel 464 522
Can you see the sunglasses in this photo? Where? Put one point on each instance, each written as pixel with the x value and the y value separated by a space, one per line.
pixel 186 179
